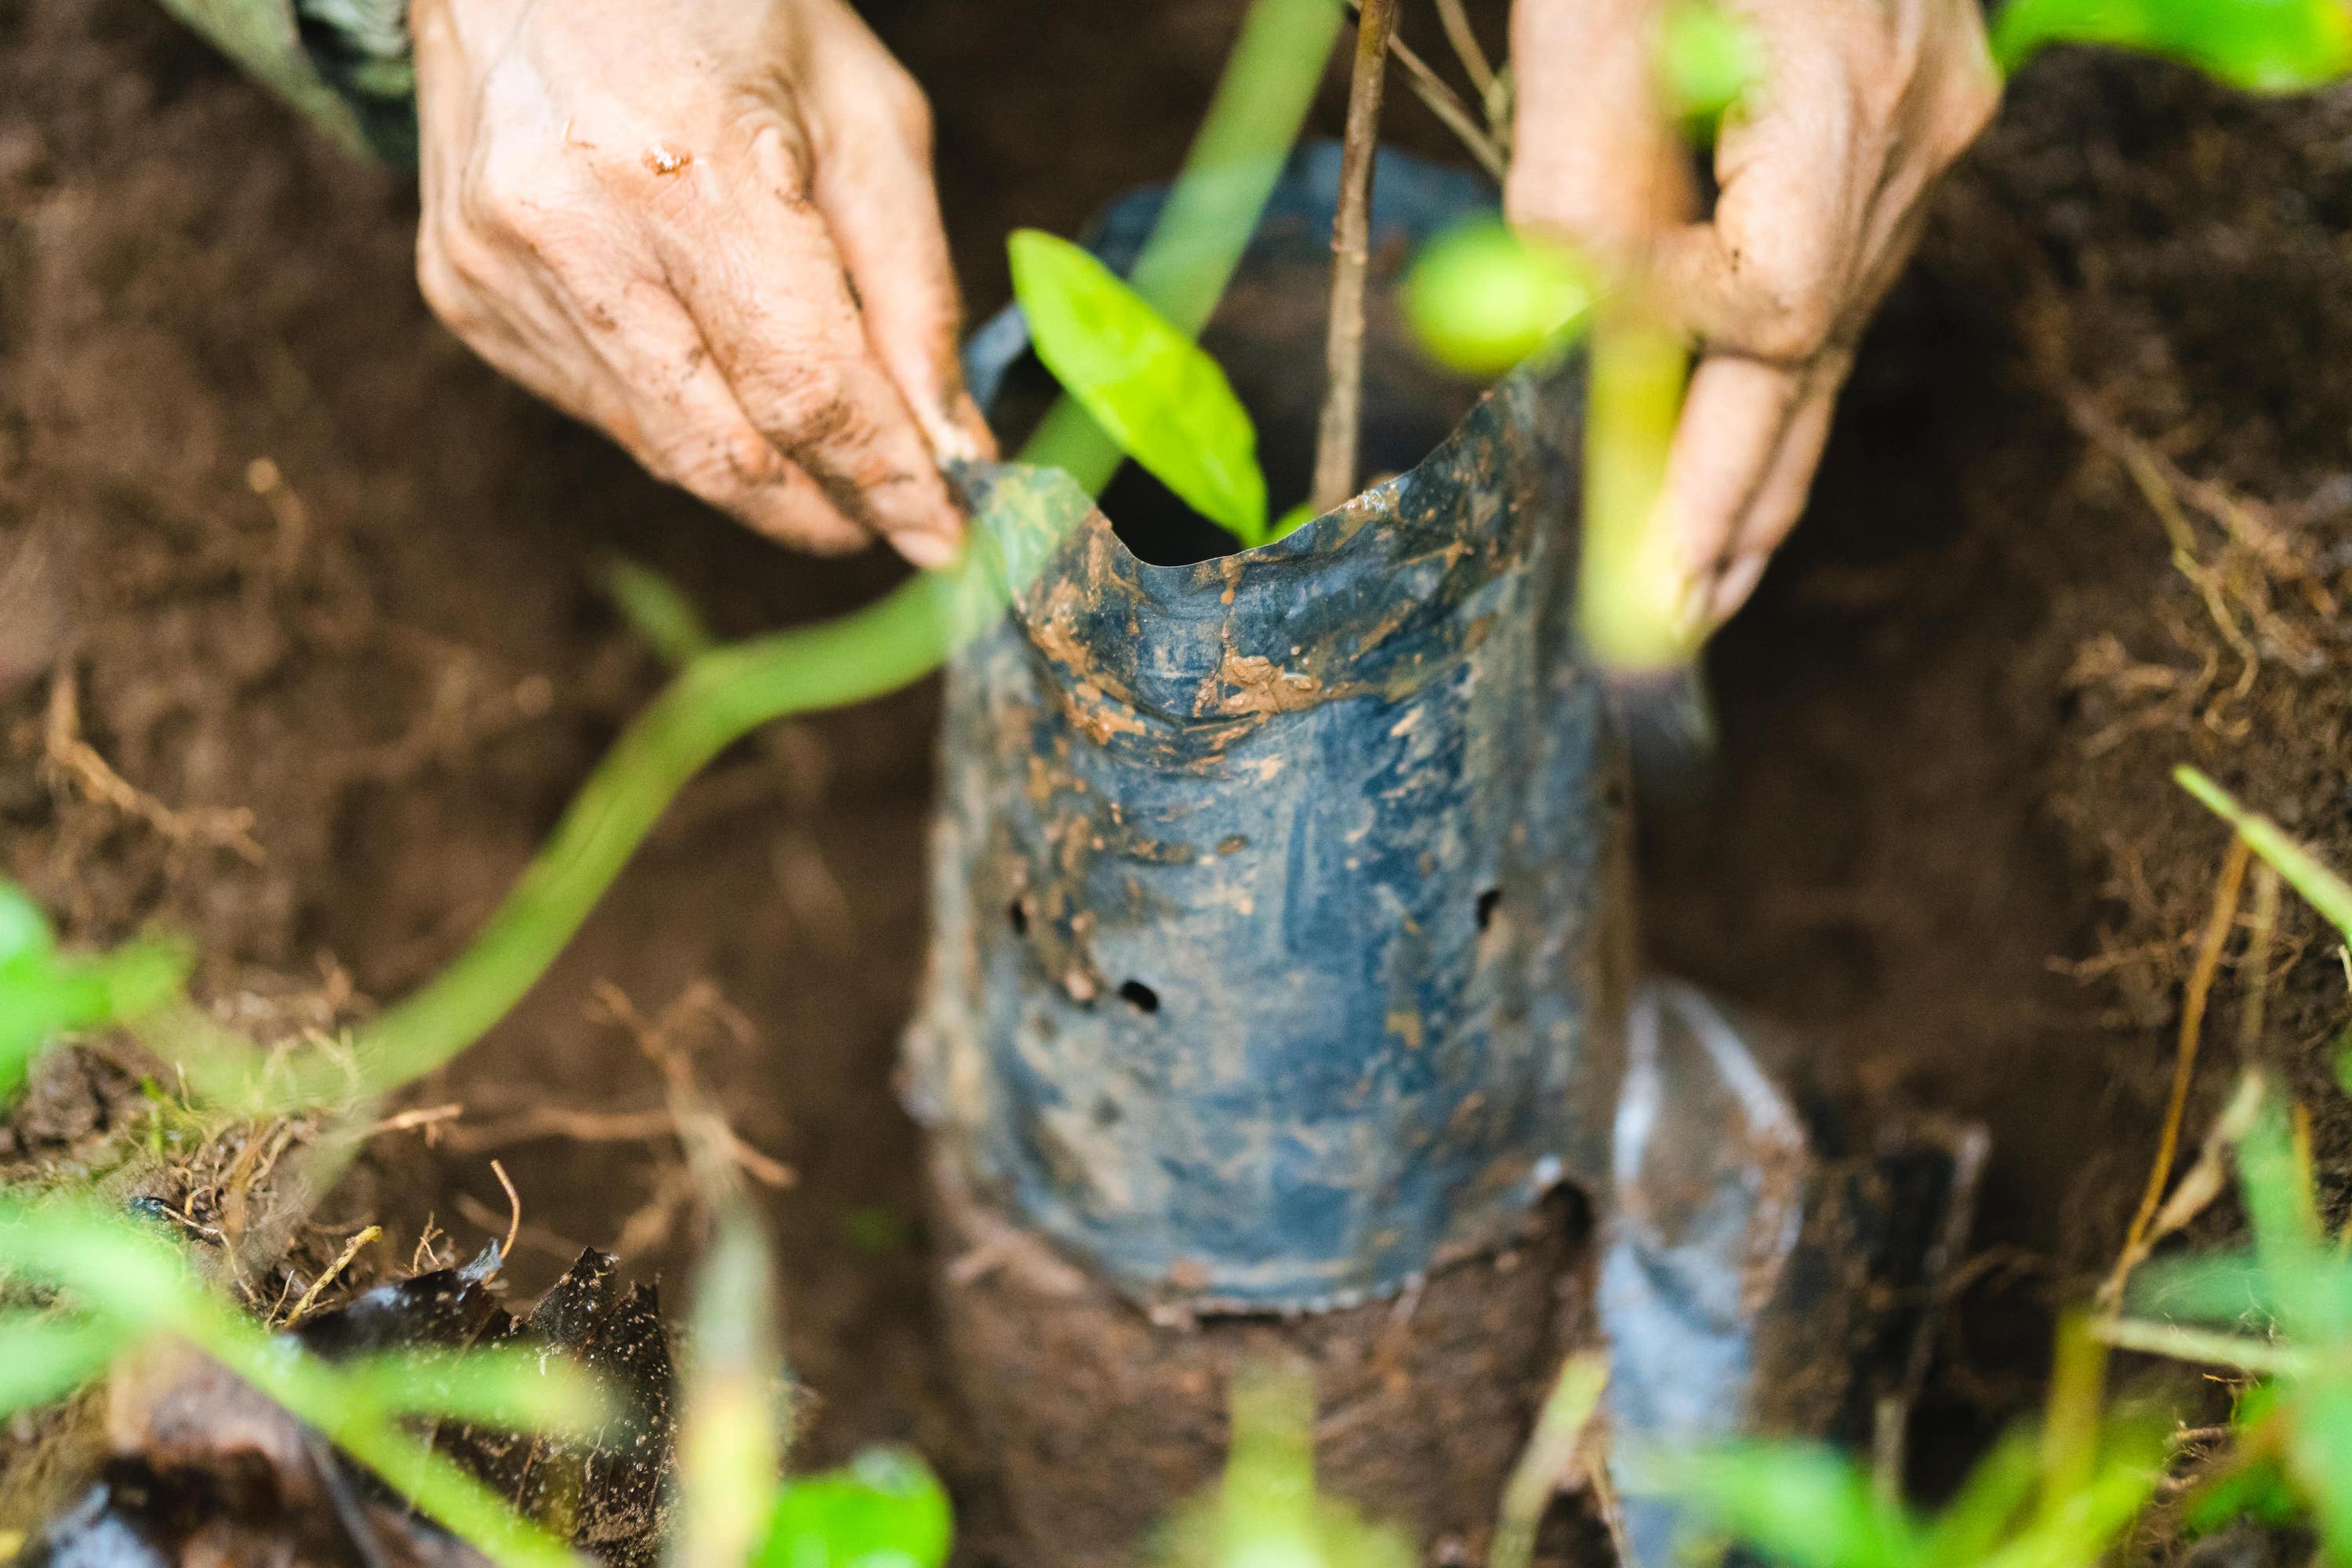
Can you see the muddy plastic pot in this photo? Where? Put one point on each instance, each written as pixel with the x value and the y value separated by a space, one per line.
pixel 1280 971
pixel 1276 966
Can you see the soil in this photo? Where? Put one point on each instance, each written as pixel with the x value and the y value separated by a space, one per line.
pixel 321 592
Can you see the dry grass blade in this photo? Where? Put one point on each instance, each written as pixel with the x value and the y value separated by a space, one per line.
pixel 2138 1239
pixel 333 1271
pixel 1467 47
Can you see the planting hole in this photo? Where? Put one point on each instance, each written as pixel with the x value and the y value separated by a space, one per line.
pixel 1486 902
pixel 1142 997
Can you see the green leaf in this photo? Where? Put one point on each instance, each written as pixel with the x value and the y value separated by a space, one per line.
pixel 1481 298
pixel 1795 1503
pixel 2326 892
pixel 1708 60
pixel 44 994
pixel 2259 45
pixel 1990 1503
pixel 2319 1456
pixel 44 1357
pixel 1156 392
pixel 513 1388
pixel 884 1510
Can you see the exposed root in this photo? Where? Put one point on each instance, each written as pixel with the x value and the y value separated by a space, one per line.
pixel 71 759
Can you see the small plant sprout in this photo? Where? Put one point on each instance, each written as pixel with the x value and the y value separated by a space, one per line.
pixel 1265 1512
pixel 44 993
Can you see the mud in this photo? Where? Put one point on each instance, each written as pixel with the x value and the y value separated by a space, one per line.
pixel 318 580
pixel 1100 1418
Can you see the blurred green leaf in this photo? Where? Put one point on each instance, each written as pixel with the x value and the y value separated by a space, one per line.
pixel 1990 1504
pixel 1708 58
pixel 1157 392
pixel 730 1441
pixel 1265 1513
pixel 45 994
pixel 2322 889
pixel 513 1388
pixel 1796 1503
pixel 2258 46
pixel 658 611
pixel 44 1357
pixel 2319 1455
pixel 884 1510
pixel 1481 298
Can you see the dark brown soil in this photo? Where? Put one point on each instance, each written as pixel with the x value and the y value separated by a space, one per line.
pixel 323 589
pixel 1101 1420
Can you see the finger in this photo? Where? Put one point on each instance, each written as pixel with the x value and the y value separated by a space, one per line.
pixel 1734 421
pixel 662 398
pixel 1777 504
pixel 752 262
pixel 1594 158
pixel 875 190
pixel 1770 275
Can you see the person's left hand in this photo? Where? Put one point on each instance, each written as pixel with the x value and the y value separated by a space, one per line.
pixel 1823 168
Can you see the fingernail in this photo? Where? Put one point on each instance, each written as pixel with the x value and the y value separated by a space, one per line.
pixel 928 551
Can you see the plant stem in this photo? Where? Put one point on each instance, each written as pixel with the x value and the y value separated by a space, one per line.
pixel 1338 434
pixel 1466 45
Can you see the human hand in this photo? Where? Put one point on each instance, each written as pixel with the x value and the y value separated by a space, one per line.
pixel 1822 170
pixel 707 228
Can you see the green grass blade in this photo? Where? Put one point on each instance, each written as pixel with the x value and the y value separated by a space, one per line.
pixel 2322 889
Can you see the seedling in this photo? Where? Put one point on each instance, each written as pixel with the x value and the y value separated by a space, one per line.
pixel 45 993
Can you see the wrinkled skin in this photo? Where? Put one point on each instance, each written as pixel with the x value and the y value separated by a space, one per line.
pixel 707 228
pixel 1823 170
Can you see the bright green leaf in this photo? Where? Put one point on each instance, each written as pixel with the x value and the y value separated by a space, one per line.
pixel 1157 392
pixel 1481 298
pixel 885 1509
pixel 2260 46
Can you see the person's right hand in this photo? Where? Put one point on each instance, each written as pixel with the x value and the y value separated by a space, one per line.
pixel 707 228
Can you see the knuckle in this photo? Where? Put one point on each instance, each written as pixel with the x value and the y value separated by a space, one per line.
pixel 907 107
pixel 1794 320
pixel 806 400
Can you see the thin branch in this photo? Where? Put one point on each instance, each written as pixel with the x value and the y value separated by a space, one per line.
pixel 1446 104
pixel 1466 45
pixel 1339 431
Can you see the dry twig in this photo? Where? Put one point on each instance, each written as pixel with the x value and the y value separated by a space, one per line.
pixel 2142 1236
